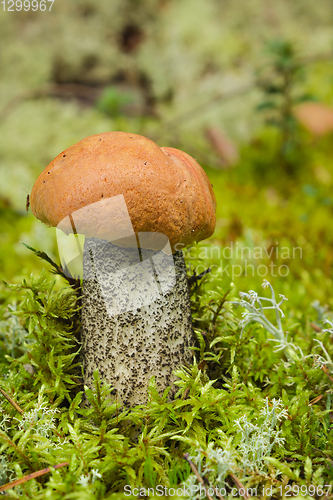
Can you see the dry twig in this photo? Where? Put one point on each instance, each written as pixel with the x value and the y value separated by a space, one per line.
pixel 240 486
pixel 204 481
pixel 33 475
pixel 11 401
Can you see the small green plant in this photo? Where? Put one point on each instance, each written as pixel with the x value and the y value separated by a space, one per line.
pixel 112 101
pixel 280 83
pixel 13 336
pixel 5 468
pixel 326 360
pixel 245 453
pixel 51 325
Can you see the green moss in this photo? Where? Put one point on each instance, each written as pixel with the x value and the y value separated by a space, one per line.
pixel 242 395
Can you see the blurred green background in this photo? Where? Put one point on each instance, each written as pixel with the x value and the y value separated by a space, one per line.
pixel 228 81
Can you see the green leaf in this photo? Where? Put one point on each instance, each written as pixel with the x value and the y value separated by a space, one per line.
pixel 266 105
pixel 282 468
pixel 308 469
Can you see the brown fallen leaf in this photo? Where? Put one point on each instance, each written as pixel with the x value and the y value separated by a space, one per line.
pixel 317 118
pixel 315 400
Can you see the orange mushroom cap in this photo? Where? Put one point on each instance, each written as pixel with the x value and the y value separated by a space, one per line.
pixel 164 190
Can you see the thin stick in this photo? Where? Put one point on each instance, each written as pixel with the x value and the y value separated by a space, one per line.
pixel 16 406
pixel 201 480
pixel 31 476
pixel 326 371
pixel 315 327
pixel 239 486
pixel 315 400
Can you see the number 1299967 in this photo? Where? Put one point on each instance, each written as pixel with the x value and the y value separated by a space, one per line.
pixel 17 5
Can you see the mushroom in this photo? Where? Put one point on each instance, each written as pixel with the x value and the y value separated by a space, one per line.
pixel 137 205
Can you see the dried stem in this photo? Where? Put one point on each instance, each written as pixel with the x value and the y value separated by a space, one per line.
pixel 203 481
pixel 11 401
pixel 33 475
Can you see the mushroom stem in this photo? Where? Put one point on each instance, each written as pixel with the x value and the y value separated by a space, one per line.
pixel 136 318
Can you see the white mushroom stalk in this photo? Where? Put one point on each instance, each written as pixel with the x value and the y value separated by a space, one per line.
pixel 137 205
pixel 142 315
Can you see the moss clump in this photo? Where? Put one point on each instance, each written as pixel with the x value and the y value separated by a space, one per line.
pixel 244 410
